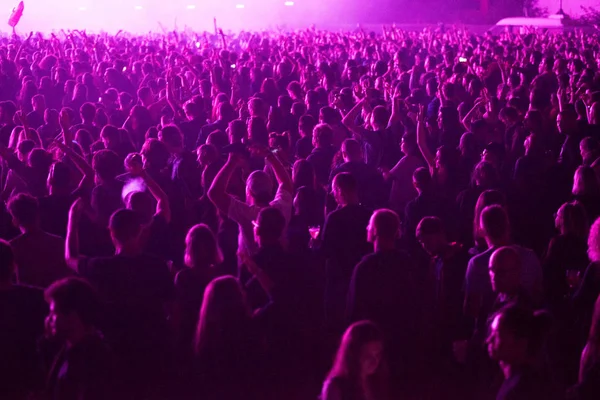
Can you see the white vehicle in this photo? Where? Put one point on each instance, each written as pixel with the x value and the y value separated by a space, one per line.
pixel 555 23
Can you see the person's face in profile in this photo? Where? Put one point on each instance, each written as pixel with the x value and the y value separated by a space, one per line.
pixel 370 357
pixel 59 323
pixel 502 344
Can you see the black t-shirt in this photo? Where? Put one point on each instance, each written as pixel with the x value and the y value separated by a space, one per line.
pixel 345 238
pixel 22 313
pixel 136 290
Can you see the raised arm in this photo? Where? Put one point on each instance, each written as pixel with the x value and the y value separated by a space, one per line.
pixel 72 256
pixel 467 119
pixel 218 190
pixel 163 207
pixel 349 120
pixel 283 178
pixel 422 140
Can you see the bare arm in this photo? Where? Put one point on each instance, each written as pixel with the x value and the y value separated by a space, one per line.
pixel 218 190
pixel 72 256
pixel 422 141
pixel 283 178
pixel 349 119
pixel 467 119
pixel 163 208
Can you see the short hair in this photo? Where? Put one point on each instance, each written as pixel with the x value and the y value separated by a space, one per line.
pixel 386 223
pixel 125 225
pixel 156 153
pixel 271 223
pixel 25 209
pixel 346 182
pixel 430 226
pixel 352 148
pixel 494 222
pixel 87 111
pixel 323 134
pixel 307 123
pixel 75 295
pixel 330 115
pixel 106 164
pixel 381 115
pixel 422 178
pixel 110 132
pixel 171 135
pixel 238 129
pixel 7 261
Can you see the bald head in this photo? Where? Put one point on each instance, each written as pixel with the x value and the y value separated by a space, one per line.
pixel 384 225
pixel 505 270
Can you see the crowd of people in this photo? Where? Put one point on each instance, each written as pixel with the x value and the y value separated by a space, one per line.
pixel 300 215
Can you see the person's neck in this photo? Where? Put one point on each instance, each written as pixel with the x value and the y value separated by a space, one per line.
pixel 445 250
pixel 383 244
pixel 494 243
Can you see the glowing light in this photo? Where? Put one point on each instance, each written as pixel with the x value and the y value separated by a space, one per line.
pixel 288 3
pixel 197 45
pixel 239 6
pixel 82 8
pixel 138 7
pixel 191 7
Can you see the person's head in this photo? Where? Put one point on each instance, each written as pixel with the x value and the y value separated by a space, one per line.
pixel 431 235
pixel 38 102
pixel 306 125
pixel 193 110
pixel 484 175
pixel 322 136
pixel 509 116
pixel 257 131
pixel 87 112
pixel 571 219
pixel 8 109
pixel 303 174
pixel 155 154
pixel 237 131
pixel 107 165
pixel 494 154
pixel 201 247
pixel 223 315
pixel 468 145
pixel 505 270
pixel 51 117
pixel 517 335
pixel 585 182
pixel 384 227
pixel 422 180
pixel 360 354
pixel 566 121
pixel 352 150
pixel 110 137
pixel 74 308
pixel 7 263
pixel 25 211
pixel 589 148
pixel 172 137
pixel 408 144
pixel 258 108
pixel 269 226
pixel 259 188
pixel 379 118
pixel 330 116
pixel 142 203
pixel 345 189
pixel 145 95
pixel 125 228
pixel 495 226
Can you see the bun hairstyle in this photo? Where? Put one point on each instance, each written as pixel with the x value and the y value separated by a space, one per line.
pixel 532 326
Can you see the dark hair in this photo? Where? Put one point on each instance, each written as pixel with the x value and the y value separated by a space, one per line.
pixel 271 223
pixel 303 174
pixel 7 261
pixel 346 182
pixel 106 164
pixel 172 136
pixel 74 295
pixel 430 226
pixel 526 324
pixel 422 178
pixel 494 222
pixel 323 135
pixel 125 225
pixel 156 153
pixel 25 209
